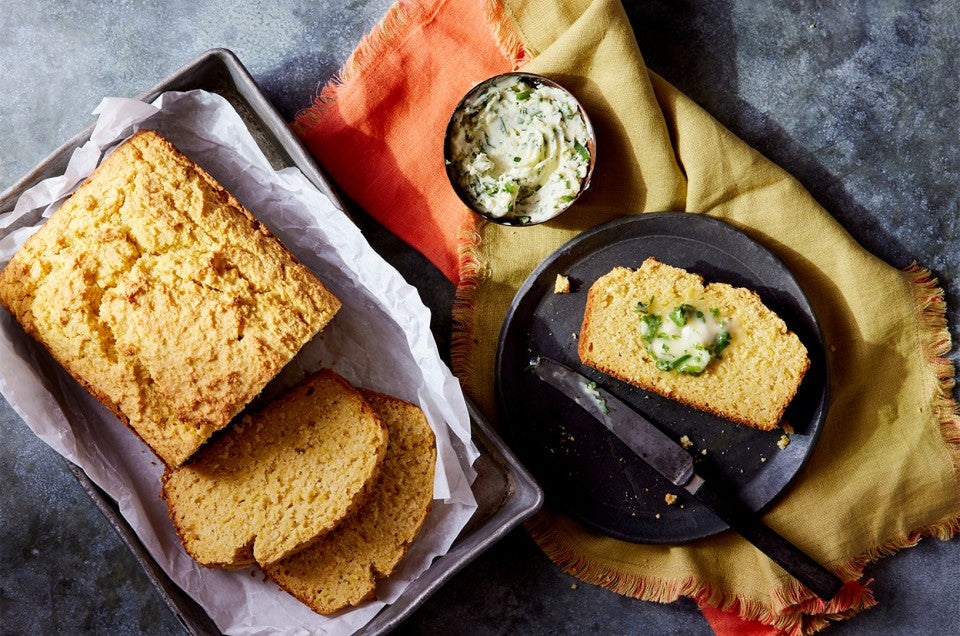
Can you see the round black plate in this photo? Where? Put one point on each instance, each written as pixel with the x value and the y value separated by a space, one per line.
pixel 582 468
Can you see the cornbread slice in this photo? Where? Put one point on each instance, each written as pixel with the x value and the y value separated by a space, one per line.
pixel 752 383
pixel 163 296
pixel 342 568
pixel 280 479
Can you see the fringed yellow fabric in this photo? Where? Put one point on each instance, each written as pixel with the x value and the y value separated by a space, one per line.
pixel 931 315
pixel 668 154
pixel 472 272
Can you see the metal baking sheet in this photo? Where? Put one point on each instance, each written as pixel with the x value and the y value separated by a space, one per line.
pixel 601 483
pixel 506 493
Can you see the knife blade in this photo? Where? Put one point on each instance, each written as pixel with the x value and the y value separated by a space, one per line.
pixel 673 462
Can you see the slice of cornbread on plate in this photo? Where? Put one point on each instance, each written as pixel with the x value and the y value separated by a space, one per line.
pixel 714 347
pixel 278 480
pixel 163 296
pixel 342 568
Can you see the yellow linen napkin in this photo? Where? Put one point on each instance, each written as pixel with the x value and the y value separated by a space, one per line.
pixel 884 470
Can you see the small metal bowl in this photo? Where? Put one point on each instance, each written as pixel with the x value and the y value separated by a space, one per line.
pixel 453 172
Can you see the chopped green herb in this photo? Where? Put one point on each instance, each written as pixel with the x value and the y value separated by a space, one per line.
pixel 523 95
pixel 670 365
pixel 650 324
pixel 680 314
pixel 581 150
pixel 721 342
pixel 644 307
pixel 682 350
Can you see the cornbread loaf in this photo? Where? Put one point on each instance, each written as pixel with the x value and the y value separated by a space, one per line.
pixel 754 379
pixel 163 296
pixel 342 568
pixel 279 479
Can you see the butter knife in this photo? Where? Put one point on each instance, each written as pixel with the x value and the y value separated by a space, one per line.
pixel 673 462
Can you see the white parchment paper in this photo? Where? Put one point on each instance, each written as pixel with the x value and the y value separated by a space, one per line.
pixel 380 340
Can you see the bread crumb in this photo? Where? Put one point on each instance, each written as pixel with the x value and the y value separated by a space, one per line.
pixel 685 442
pixel 657 515
pixel 783 442
pixel 573 586
pixel 788 428
pixel 561 285
pixel 670 498
pixel 703 452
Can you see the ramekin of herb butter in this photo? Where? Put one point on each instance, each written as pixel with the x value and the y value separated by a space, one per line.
pixel 519 149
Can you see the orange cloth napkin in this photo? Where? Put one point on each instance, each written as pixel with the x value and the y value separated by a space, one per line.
pixel 377 131
pixel 380 135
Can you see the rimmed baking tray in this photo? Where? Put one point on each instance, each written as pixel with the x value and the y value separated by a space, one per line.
pixel 506 493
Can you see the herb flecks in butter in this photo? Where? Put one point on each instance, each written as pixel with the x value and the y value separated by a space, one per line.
pixel 594 393
pixel 520 149
pixel 686 339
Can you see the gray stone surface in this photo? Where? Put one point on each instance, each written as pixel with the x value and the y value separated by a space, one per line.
pixel 858 99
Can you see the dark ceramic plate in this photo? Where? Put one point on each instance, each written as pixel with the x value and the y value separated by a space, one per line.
pixel 583 470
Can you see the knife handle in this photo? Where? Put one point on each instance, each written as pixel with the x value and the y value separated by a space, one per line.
pixel 798 563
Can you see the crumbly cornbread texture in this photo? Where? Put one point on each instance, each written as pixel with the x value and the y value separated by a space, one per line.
pixel 758 375
pixel 279 479
pixel 163 296
pixel 342 568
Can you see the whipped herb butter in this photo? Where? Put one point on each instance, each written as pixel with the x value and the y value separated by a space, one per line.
pixel 519 149
pixel 686 339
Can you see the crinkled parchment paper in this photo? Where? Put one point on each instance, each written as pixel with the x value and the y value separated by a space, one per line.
pixel 380 340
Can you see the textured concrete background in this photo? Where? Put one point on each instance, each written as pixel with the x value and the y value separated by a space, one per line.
pixel 858 99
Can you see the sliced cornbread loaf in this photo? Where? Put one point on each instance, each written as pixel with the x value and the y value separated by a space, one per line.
pixel 163 296
pixel 342 568
pixel 279 479
pixel 756 371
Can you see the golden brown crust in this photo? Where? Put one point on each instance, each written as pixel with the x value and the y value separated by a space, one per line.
pixel 163 296
pixel 753 384
pixel 279 479
pixel 342 568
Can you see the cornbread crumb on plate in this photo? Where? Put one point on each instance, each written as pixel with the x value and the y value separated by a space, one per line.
pixel 163 296
pixel 751 382
pixel 279 479
pixel 342 568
